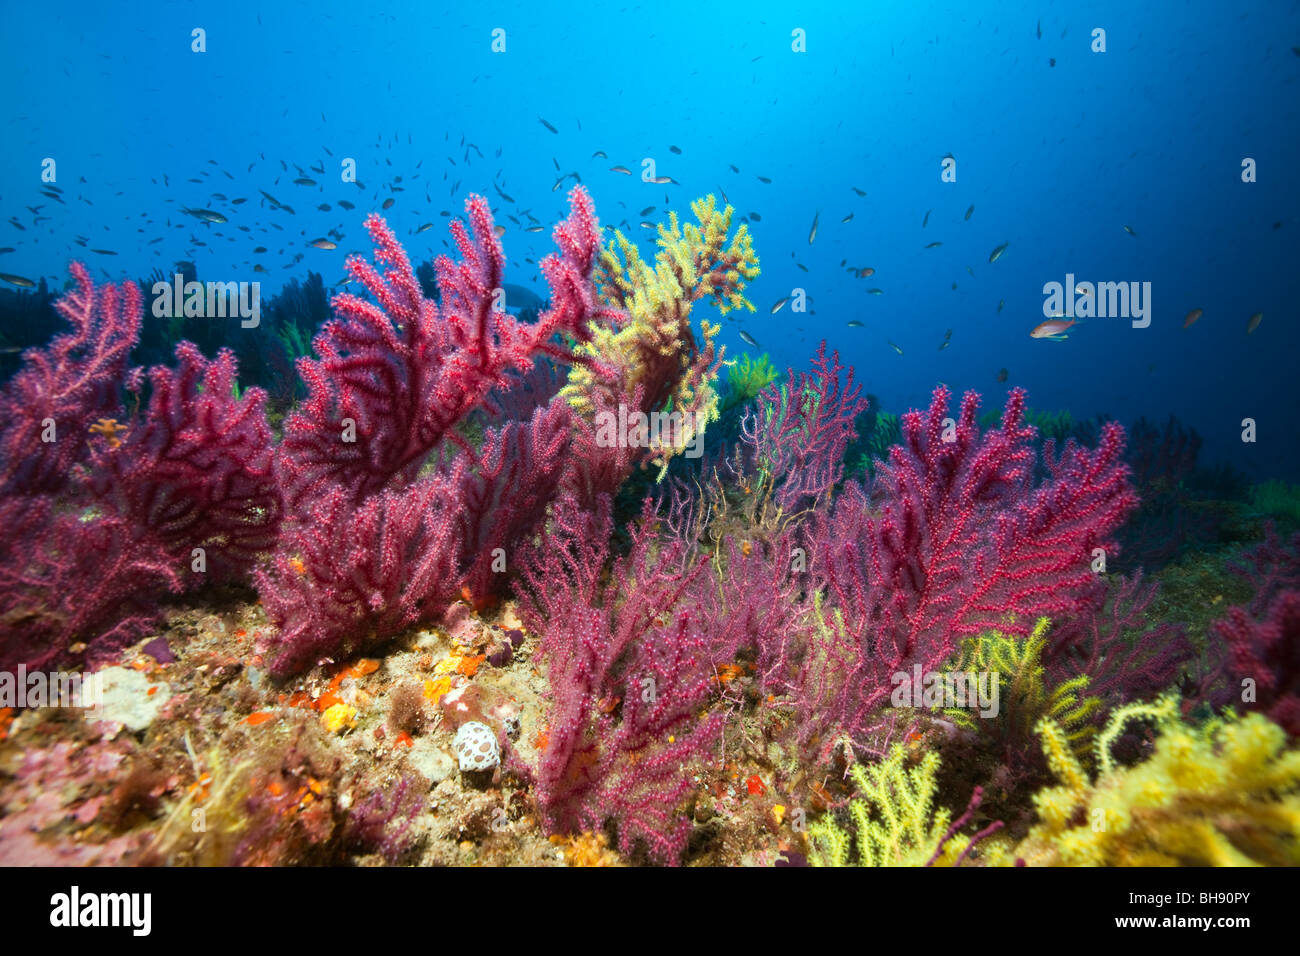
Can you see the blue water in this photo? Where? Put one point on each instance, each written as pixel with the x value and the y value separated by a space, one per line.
pixel 1056 161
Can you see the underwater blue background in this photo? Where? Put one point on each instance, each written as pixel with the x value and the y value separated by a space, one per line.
pixel 1055 159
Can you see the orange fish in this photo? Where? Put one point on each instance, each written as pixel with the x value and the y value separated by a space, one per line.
pixel 260 717
pixel 1053 329
pixel 755 785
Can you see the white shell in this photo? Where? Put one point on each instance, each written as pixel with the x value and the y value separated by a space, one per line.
pixel 476 747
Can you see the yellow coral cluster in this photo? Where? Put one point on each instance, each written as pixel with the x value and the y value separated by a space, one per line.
pixel 656 348
pixel 1223 794
pixel 894 819
pixel 693 263
pixel 1024 696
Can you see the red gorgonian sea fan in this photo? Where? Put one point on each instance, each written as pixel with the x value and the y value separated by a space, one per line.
pixel 952 539
pixel 392 511
pixel 630 661
pixel 63 388
pixel 396 375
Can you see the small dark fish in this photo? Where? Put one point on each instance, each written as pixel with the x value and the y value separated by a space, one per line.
pixel 304 181
pixel 755 217
pixel 1039 31
pixel 547 125
pixel 238 202
pixel 270 198
pixel 934 245
pixel 812 233
pixel 733 168
pixel 387 203
pixel 969 210
pixel 502 193
pixel 674 150
pixel 647 225
pixel 764 180
pixel 847 218
pixel 749 339
pixel 323 207
pixel 855 324
pixel 21 281
pixel 599 154
pixel 1192 316
pixel 104 252
pixel 535 229
pixel 1129 230
pixel 857 190
pixel 996 254
pixel 664 180
pixel 895 347
pixel 926 219
pixel 259 250
pixel 779 305
pixel 646 211
pixel 1002 375
pixel 1001 303
pixel 1253 324
pixel 424 228
pixel 346 205
pixel 323 244
pixel 875 292
pixel 620 169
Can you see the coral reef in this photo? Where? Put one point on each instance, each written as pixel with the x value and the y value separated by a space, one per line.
pixel 729 675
